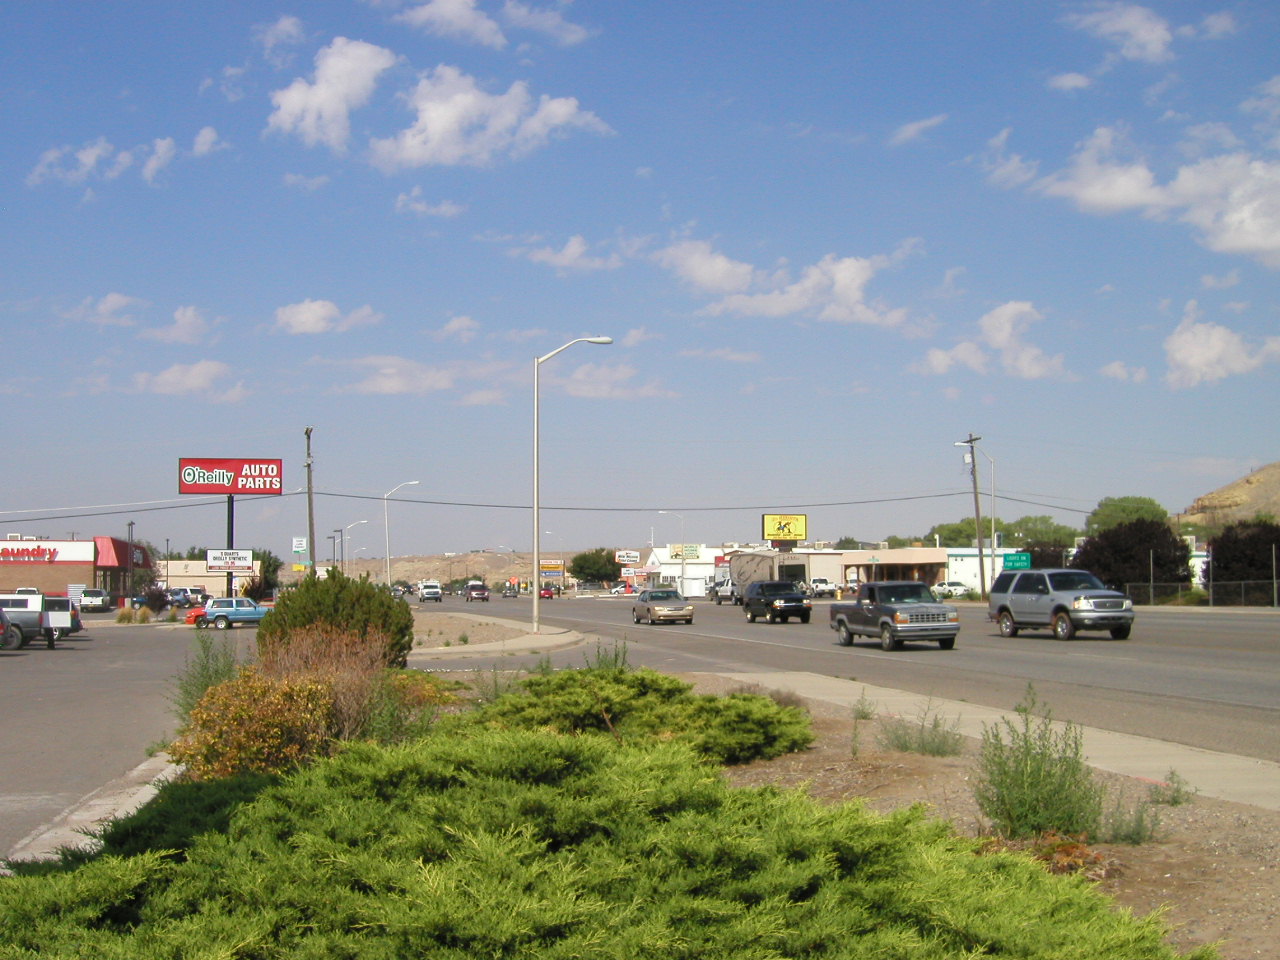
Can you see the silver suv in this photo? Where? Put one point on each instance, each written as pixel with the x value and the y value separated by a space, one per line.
pixel 1063 600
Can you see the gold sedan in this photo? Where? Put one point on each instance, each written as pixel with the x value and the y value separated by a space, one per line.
pixel 657 606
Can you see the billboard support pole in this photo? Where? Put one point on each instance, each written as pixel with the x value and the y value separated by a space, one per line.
pixel 231 537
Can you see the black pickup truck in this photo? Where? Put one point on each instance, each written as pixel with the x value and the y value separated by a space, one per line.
pixel 895 611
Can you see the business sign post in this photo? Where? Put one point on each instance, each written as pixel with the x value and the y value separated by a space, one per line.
pixel 229 476
pixel 785 530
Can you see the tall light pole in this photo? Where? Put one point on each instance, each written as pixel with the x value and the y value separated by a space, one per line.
pixel 537 506
pixel 336 537
pixel 343 567
pixel 682 560
pixel 386 521
pixel 992 510
pixel 977 508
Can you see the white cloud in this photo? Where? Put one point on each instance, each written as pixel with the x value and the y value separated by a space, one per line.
pixel 396 375
pixel 162 153
pixel 1138 32
pixel 189 326
pixel 1003 331
pixel 346 74
pixel 572 256
pixel 1002 168
pixel 206 142
pixel 638 335
pixel 300 182
pixel 1217 25
pixel 1225 282
pixel 834 290
pixel 727 354
pixel 107 311
pixel 458 123
pixel 1069 81
pixel 601 381
pixel 914 131
pixel 274 37
pixel 1119 370
pixel 1206 352
pixel 322 316
pixel 548 22
pixel 184 379
pixel 1099 184
pixel 695 262
pixel 84 163
pixel 455 20
pixel 462 329
pixel 1203 137
pixel 412 202
pixel 483 398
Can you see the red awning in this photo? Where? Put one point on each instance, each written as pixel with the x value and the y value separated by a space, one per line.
pixel 113 553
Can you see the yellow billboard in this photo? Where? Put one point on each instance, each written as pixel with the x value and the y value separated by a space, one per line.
pixel 785 526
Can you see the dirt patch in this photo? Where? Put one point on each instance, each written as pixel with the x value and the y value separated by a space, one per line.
pixel 437 629
pixel 1214 868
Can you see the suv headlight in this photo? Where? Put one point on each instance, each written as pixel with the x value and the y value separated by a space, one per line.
pixel 1082 603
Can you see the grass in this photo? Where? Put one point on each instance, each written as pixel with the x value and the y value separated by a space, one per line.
pixel 1174 792
pixel 213 661
pixel 928 734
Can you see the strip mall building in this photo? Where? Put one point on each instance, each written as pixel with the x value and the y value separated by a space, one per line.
pixel 65 566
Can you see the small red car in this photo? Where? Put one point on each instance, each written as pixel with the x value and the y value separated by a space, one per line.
pixel 546 593
pixel 194 614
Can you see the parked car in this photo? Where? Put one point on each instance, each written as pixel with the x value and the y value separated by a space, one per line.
pixel 950 588
pixel 26 614
pixel 194 616
pixel 776 600
pixel 618 589
pixel 222 613
pixel 511 590
pixel 1065 601
pixel 477 591
pixel 94 599
pixel 723 590
pixel 185 597
pixel 657 606
pixel 822 587
pixel 895 611
pixel 10 634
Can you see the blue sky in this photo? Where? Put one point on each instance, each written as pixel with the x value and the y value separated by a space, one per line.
pixel 829 239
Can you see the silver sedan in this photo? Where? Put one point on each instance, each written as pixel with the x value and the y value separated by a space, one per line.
pixel 656 606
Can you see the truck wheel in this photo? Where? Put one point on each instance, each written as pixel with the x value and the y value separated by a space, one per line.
pixel 804 618
pixel 949 643
pixel 1120 633
pixel 1007 627
pixel 751 616
pixel 887 640
pixel 843 636
pixel 1063 628
pixel 201 623
pixel 771 617
pixel 49 637
pixel 11 639
pixel 635 617
pixel 719 599
pixel 222 623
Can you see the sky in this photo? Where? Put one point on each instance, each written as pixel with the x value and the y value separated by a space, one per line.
pixel 828 239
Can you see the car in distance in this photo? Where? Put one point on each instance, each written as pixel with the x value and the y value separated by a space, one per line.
pixel 1065 601
pixel 510 590
pixel 895 611
pixel 477 591
pixel 950 588
pixel 222 613
pixel 776 600
pixel 94 599
pixel 822 587
pixel 546 593
pixel 661 606
pixel 430 591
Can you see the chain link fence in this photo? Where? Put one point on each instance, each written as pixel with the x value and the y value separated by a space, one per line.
pixel 1223 593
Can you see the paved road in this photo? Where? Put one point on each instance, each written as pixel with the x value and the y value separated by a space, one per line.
pixel 1209 679
pixel 80 715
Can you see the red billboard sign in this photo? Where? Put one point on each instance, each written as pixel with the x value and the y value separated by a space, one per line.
pixel 202 475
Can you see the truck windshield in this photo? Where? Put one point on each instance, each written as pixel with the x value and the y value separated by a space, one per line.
pixel 776 589
pixel 907 593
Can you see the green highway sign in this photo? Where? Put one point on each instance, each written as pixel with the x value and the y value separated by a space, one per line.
pixel 1017 561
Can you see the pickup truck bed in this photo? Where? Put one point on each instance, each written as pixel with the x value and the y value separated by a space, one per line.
pixel 895 611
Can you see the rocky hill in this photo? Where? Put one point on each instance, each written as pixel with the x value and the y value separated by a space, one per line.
pixel 1242 499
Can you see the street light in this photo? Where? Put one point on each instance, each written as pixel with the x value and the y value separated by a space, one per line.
pixel 343 562
pixel 386 521
pixel 991 511
pixel 537 507
pixel 682 560
pixel 977 509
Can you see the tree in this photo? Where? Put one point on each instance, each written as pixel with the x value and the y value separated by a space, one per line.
pixel 270 567
pixel 1113 511
pixel 1041 530
pixel 597 564
pixel 1245 551
pixel 1136 552
pixel 359 606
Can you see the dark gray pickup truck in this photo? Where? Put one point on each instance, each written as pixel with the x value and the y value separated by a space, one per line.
pixel 895 611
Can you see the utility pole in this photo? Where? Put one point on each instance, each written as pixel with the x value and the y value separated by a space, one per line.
pixel 977 508
pixel 311 506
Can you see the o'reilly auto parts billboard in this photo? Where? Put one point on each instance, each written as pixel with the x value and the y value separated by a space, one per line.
pixel 203 475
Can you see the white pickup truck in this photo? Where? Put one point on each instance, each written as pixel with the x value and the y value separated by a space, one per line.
pixel 822 587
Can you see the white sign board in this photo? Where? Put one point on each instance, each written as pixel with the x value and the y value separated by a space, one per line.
pixel 299 544
pixel 628 558
pixel 229 561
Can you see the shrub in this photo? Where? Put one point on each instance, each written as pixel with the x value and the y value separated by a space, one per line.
pixel 1036 780
pixel 1174 792
pixel 356 606
pixel 403 705
pixel 521 844
pixel 256 724
pixel 210 663
pixel 125 615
